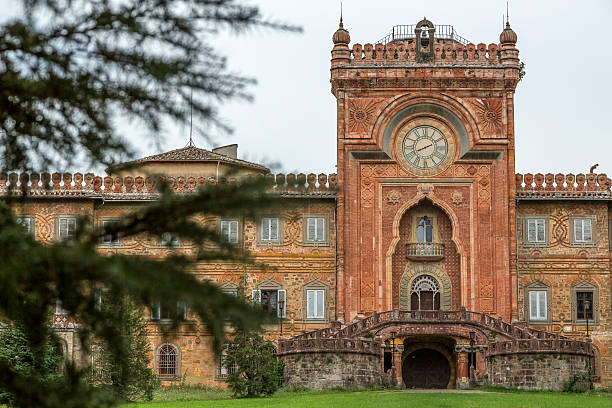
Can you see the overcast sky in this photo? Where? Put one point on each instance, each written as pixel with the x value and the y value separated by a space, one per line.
pixel 562 106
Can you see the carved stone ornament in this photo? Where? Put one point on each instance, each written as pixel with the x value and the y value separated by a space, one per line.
pixel 457 198
pixel 490 114
pixel 394 197
pixel 425 188
pixel 361 114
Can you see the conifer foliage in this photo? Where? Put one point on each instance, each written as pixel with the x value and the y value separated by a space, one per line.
pixel 70 70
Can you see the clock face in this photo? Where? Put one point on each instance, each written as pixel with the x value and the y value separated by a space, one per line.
pixel 425 147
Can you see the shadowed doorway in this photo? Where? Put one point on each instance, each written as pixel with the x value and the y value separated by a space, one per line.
pixel 426 368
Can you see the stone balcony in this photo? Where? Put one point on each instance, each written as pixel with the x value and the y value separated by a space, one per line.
pixel 424 251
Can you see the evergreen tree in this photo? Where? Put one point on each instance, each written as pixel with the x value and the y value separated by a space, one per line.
pixel 134 380
pixel 16 349
pixel 70 69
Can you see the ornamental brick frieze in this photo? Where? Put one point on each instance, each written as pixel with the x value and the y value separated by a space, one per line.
pixel 440 84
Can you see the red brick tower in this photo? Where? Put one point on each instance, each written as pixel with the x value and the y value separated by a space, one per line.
pixel 426 206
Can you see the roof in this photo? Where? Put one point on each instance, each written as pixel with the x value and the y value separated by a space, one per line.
pixel 196 154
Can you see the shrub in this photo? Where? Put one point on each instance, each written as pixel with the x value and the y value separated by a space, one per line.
pixel 257 371
pixel 579 383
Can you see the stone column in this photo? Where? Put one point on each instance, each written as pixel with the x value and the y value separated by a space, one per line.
pixel 463 380
pixel 397 364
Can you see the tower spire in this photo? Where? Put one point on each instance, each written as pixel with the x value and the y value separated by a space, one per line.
pixel 191 144
pixel 341 25
pixel 507 14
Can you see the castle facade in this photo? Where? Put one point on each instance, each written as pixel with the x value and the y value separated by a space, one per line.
pixel 426 261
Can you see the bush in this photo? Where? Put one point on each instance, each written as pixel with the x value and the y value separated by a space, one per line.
pixel 16 350
pixel 579 383
pixel 256 370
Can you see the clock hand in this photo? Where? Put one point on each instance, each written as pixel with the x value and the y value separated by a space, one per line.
pixel 425 147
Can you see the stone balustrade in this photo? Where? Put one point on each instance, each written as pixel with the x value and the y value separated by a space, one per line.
pixel 401 52
pixel 531 346
pixel 89 184
pixel 328 345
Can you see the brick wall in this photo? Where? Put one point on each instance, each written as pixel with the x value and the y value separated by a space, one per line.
pixel 535 371
pixel 328 370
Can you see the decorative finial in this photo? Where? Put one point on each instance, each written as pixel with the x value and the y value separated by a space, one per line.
pixel 341 36
pixel 593 168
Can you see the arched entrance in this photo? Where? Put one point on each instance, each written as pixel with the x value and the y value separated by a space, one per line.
pixel 426 368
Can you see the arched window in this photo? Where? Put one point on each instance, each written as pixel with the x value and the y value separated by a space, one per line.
pixel 425 293
pixel 168 359
pixel 424 230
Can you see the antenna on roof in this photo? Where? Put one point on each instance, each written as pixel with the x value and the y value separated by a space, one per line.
pixel 190 144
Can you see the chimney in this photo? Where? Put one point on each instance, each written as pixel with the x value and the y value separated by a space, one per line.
pixel 229 150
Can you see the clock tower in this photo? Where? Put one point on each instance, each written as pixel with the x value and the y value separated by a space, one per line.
pixel 425 144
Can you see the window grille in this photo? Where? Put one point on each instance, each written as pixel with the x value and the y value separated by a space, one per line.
pixel 167 362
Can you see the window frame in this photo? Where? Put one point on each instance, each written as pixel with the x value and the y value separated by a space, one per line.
pixel 238 230
pixel 219 376
pixel 585 286
pixel 178 376
pixel 155 312
pixel 118 243
pixel 315 284
pixel 326 230
pixel 271 285
pixel 32 220
pixel 526 241
pixel 572 222
pixel 58 219
pixel 279 231
pixel 537 286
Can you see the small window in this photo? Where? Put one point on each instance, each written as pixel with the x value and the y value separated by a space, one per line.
pixel 66 228
pixel 315 304
pixel 168 362
pixel 229 231
pixel 160 312
pixel 272 300
pixel 537 305
pixel 536 232
pixel 584 305
pixel 315 229
pixel 583 230
pixel 110 238
pixel 27 222
pixel 169 240
pixel 223 371
pixel 269 229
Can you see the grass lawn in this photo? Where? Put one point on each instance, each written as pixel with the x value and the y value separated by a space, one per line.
pixel 387 399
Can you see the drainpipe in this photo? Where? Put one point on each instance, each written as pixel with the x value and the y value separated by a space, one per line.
pixel 336 258
pixel 217 171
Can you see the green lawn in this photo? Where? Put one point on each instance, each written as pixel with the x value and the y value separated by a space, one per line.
pixel 391 399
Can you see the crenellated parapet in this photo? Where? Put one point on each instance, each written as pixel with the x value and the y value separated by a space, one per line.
pixel 591 185
pixel 396 53
pixel 146 187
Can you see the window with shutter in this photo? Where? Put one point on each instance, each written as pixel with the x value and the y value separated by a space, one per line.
pixel 229 231
pixel 155 311
pixel 537 305
pixel 66 228
pixel 315 304
pixel 27 223
pixel 536 230
pixel 583 230
pixel 282 300
pixel 315 229
pixel 181 310
pixel 269 229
